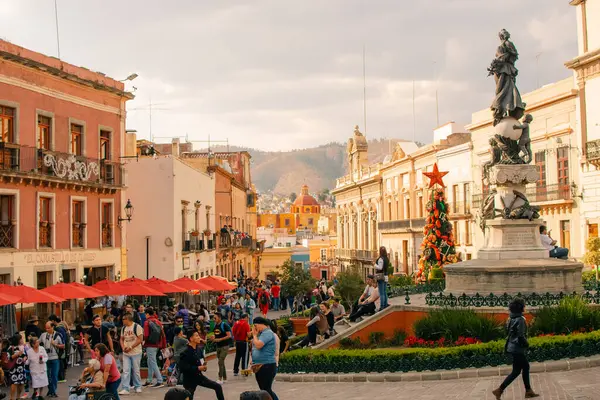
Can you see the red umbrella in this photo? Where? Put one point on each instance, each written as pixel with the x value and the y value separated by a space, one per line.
pixel 73 291
pixel 215 284
pixel 164 286
pixel 6 299
pixel 125 288
pixel 190 284
pixel 26 294
pixel 134 280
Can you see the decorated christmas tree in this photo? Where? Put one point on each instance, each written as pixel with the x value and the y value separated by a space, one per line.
pixel 438 244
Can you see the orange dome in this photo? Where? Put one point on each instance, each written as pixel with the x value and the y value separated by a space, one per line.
pixel 305 199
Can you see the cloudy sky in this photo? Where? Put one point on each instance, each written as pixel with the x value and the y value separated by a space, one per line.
pixel 280 74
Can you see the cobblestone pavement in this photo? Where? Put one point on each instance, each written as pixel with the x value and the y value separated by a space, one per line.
pixel 573 385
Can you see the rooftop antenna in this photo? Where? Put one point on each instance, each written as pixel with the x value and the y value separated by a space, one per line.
pixel 537 68
pixel 56 21
pixel 437 107
pixel 413 110
pixel 364 91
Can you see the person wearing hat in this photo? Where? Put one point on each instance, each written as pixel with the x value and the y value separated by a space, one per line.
pixel 32 328
pixel 264 350
pixel 241 332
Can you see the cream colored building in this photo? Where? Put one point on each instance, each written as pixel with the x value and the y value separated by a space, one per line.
pixel 554 150
pixel 586 69
pixel 358 199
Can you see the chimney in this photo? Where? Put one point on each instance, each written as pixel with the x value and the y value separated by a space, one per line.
pixel 175 148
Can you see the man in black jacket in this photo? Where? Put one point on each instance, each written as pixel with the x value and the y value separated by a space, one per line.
pixel 191 364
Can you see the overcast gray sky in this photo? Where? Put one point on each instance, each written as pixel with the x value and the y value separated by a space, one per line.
pixel 279 74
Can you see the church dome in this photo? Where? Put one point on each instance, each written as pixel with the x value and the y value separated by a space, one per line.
pixel 305 199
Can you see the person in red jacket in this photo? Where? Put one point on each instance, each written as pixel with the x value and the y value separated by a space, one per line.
pixel 263 302
pixel 241 332
pixel 154 340
pixel 275 292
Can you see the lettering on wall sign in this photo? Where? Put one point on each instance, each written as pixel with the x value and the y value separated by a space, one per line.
pixel 58 257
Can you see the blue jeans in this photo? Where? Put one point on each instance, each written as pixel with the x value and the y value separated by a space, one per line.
pixel 52 372
pixel 113 388
pixel 383 297
pixel 291 303
pixel 131 363
pixel 153 369
pixel 559 252
pixel 276 303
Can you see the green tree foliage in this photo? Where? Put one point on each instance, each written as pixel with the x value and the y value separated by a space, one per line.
pixel 350 285
pixel 295 281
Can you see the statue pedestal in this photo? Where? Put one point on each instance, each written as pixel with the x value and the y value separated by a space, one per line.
pixel 512 239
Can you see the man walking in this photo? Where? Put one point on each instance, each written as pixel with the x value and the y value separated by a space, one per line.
pixel 52 344
pixel 98 333
pixel 275 292
pixel 241 330
pixel 222 338
pixel 191 364
pixel 154 340
pixel 132 335
pixel 63 330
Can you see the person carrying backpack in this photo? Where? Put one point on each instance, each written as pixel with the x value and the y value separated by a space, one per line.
pixel 154 340
pixel 131 343
pixel 222 338
pixel 63 354
pixel 263 302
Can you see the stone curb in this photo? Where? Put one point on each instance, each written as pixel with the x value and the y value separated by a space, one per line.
pixel 538 367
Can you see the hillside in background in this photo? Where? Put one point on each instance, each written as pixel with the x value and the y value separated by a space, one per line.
pixel 286 171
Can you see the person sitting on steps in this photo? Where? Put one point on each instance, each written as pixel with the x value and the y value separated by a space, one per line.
pixel 550 245
pixel 367 307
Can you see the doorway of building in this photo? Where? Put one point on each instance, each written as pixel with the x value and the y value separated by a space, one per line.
pixel 405 256
pixel 92 275
pixel 324 274
pixel 43 310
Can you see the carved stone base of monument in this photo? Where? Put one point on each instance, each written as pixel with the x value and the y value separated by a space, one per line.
pixel 513 276
pixel 512 239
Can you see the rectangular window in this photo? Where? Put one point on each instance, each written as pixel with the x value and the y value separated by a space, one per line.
pixel 389 211
pixel 107 225
pixel 310 221
pixel 455 199
pixel 420 204
pixel 407 209
pixel 7 217
pixel 468 233
pixel 78 222
pixel 7 124
pixel 76 139
pixel 104 145
pixel 45 217
pixel 467 197
pixel 565 234
pixel 323 255
pixel 469 256
pixel 44 134
pixel 541 191
pixel 562 155
pixel 456 233
pixel 287 222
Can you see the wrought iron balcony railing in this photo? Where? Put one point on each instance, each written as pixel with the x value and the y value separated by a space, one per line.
pixel 45 234
pixel 78 235
pixel 415 223
pixel 7 234
pixel 34 162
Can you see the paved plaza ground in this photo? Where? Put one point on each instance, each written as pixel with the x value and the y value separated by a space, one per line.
pixel 575 385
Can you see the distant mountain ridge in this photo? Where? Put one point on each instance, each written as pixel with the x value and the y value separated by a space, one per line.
pixel 318 167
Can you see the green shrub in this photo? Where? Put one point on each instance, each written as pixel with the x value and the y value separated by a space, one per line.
pixel 588 276
pixel 376 337
pixel 422 359
pixel 376 341
pixel 401 281
pixel 452 323
pixel 571 315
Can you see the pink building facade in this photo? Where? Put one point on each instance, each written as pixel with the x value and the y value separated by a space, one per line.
pixel 61 177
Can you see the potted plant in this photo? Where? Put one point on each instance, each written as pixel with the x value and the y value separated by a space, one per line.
pixel 194 233
pixel 296 282
pixel 207 232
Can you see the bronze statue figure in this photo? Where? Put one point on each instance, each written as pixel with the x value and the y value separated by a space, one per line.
pixel 525 140
pixel 508 99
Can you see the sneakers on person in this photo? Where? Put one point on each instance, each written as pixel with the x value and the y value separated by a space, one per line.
pixel 158 385
pixel 220 382
pixel 138 390
pixel 124 392
pixel 235 374
pixel 147 384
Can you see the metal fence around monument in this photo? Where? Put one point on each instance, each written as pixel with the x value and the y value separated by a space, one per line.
pixel 492 300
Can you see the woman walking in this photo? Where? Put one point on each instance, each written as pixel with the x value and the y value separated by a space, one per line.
pixel 37 359
pixel 16 371
pixel 264 349
pixel 381 266
pixel 516 345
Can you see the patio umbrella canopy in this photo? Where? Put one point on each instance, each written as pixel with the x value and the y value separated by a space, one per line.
pixel 6 299
pixel 215 284
pixel 27 294
pixel 190 284
pixel 125 288
pixel 164 286
pixel 73 291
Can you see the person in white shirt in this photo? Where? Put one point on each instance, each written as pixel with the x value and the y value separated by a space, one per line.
pixel 365 294
pixel 550 245
pixel 368 306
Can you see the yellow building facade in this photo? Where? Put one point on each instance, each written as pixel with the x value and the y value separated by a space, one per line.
pixel 271 259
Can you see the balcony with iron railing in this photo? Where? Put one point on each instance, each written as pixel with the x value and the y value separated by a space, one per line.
pixel 592 152
pixel 536 194
pixel 45 235
pixel 31 162
pixel 7 234
pixel 353 254
pixel 402 224
pixel 107 240
pixel 78 235
pixel 198 243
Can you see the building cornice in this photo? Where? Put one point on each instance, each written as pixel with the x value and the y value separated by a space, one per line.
pixel 576 2
pixel 534 107
pixel 581 61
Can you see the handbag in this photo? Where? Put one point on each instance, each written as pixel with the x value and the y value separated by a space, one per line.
pixel 380 276
pixel 255 368
pixel 8 362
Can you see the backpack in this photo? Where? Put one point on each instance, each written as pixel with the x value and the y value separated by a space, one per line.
pixel 264 300
pixel 155 333
pixel 65 336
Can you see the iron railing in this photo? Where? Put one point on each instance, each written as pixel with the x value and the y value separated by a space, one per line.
pixel 492 300
pixel 7 233
pixel 354 254
pixel 415 223
pixel 107 235
pixel 19 159
pixel 592 150
pixel 45 234
pixel 78 234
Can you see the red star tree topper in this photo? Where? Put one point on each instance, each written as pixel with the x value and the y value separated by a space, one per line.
pixel 437 248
